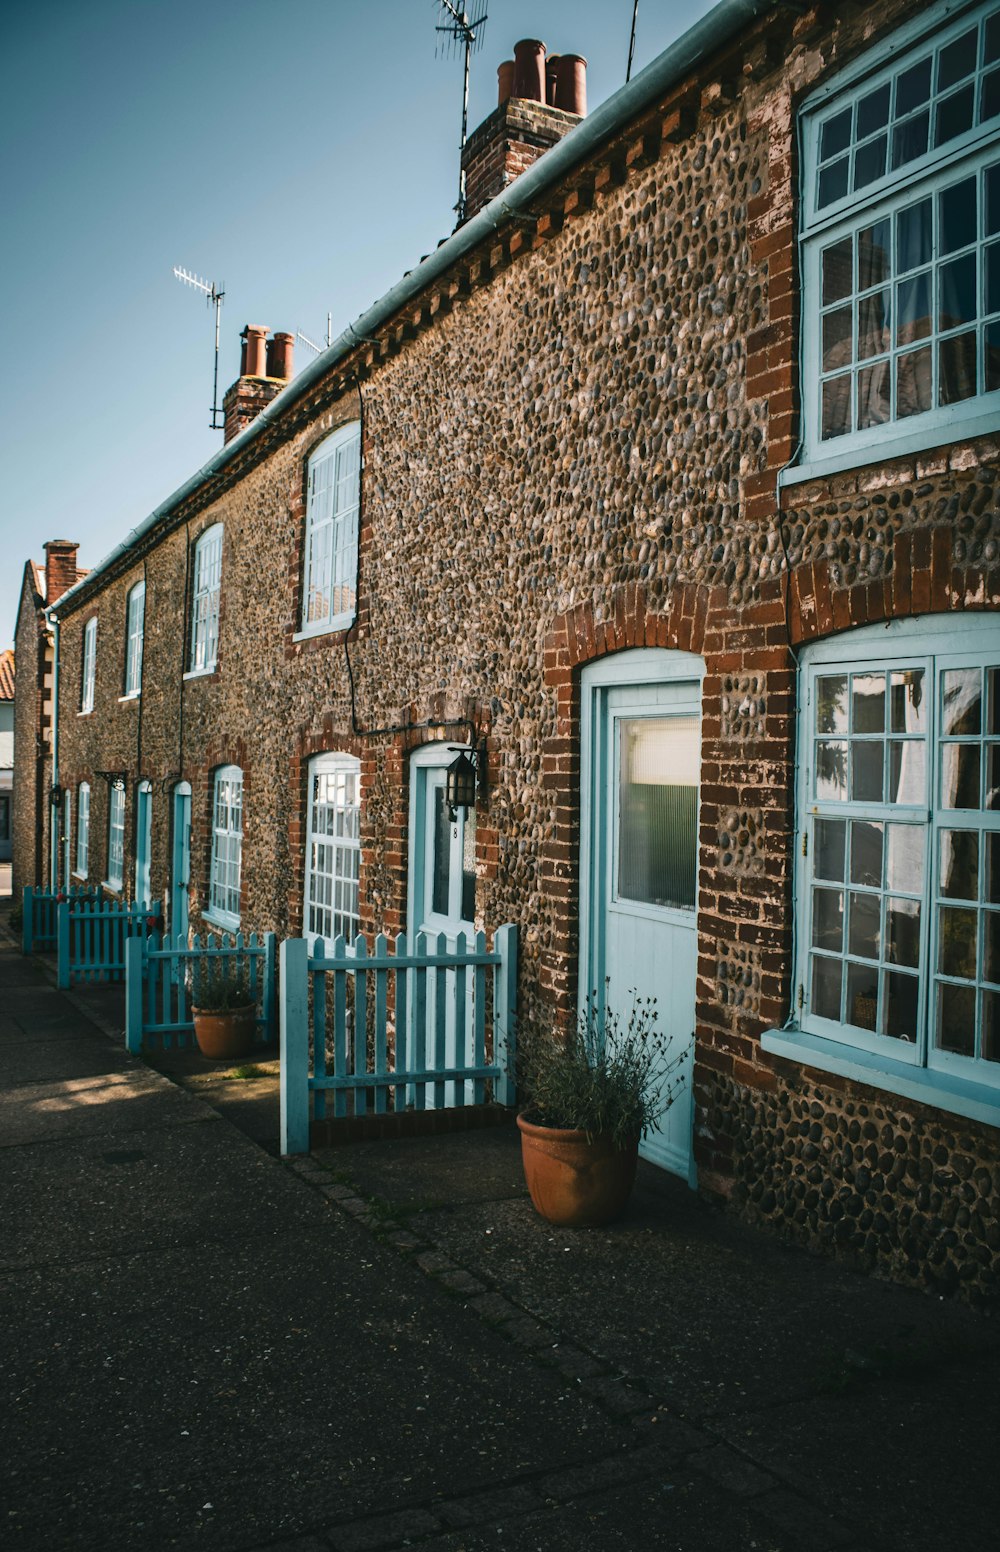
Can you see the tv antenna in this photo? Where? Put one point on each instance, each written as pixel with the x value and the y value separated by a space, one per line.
pixel 462 30
pixel 213 297
pixel 312 343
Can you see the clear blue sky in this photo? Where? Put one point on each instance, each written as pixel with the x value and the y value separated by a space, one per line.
pixel 302 152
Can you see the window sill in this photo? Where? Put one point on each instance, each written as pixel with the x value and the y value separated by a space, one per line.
pixel 81 876
pixel 88 713
pixel 942 1090
pixel 113 889
pixel 340 622
pixel 133 695
pixel 201 673
pixel 893 446
pixel 221 919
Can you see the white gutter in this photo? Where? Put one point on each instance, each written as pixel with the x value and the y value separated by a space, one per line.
pixel 719 27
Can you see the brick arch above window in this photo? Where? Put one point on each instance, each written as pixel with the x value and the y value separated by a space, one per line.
pixel 923 578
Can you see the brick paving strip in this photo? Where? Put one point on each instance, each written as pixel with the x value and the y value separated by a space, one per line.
pixel 661 1441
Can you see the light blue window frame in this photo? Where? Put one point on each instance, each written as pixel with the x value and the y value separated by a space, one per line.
pixel 944 655
pixel 83 829
pixel 135 613
pixel 225 873
pixel 88 672
pixel 333 848
pixel 205 601
pixel 890 377
pixel 330 541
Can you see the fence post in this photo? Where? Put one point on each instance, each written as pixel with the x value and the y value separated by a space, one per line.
pixel 62 945
pixel 294 1046
pixel 267 1004
pixel 27 918
pixel 505 1011
pixel 133 995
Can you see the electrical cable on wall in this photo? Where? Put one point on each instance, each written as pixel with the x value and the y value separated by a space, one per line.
pixel 400 727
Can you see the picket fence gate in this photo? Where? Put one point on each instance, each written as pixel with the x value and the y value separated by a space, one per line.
pixel 415 1025
pixel 162 978
pixel 38 913
pixel 91 936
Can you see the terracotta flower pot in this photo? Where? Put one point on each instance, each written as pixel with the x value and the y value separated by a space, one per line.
pixel 223 1036
pixel 574 1181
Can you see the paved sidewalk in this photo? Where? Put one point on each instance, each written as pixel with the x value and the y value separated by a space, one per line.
pixel 382 1346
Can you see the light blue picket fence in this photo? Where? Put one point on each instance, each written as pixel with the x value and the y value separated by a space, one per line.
pixel 162 981
pixel 366 1025
pixel 91 936
pixel 38 924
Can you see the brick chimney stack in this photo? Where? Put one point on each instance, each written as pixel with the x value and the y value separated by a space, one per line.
pixel 541 98
pixel 265 368
pixel 60 568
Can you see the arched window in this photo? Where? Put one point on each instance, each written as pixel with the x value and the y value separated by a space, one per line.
pixel 205 600
pixel 331 534
pixel 333 847
pixel 135 612
pixel 88 669
pixel 227 847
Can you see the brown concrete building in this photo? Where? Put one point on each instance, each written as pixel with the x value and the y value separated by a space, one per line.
pixel 668 483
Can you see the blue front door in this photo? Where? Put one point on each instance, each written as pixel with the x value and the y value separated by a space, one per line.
pixel 143 841
pixel 180 863
pixel 641 757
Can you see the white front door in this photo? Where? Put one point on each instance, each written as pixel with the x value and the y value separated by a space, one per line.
pixel 442 898
pixel 641 757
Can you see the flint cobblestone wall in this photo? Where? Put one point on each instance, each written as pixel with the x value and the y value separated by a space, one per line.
pixel 32 778
pixel 570 449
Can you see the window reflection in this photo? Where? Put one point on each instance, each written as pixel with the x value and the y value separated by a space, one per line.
pixel 658 810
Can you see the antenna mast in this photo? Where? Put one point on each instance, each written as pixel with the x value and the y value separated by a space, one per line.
pixel 213 296
pixel 631 41
pixel 463 30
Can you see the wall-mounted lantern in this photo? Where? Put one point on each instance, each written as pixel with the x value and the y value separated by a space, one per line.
pixel 460 783
pixel 115 779
pixel 55 796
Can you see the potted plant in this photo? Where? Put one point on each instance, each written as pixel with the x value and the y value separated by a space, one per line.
pixel 591 1096
pixel 225 1015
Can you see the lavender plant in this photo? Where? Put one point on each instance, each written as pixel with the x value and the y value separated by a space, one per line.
pixel 613 1074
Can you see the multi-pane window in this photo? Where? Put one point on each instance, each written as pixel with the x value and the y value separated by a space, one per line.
pixel 901 890
pixel 83 829
pixel 135 612
pixel 116 835
pixel 227 845
pixel 333 847
pixel 901 251
pixel 331 535
pixel 205 600
pixel 88 671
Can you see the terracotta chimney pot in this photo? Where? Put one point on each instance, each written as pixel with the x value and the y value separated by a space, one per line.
pixel 552 79
pixel 529 69
pixel 571 84
pixel 505 81
pixel 254 350
pixel 279 356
